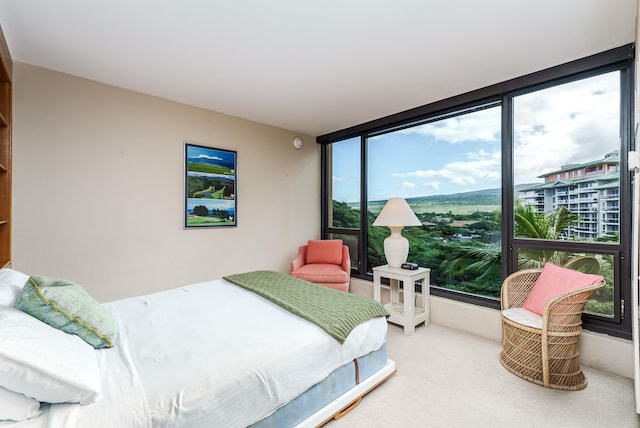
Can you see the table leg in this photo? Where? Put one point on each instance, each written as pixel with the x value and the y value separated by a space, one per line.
pixel 394 290
pixel 409 310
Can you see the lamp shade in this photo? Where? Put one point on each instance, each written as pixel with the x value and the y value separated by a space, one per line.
pixel 397 212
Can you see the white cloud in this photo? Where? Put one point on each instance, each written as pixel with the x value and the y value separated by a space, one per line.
pixel 209 157
pixel 433 184
pixel 482 168
pixel 480 125
pixel 573 123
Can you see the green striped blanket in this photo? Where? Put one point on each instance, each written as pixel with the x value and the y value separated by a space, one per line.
pixel 336 312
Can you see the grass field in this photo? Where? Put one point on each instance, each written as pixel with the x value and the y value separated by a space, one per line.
pixel 208 168
pixel 209 193
pixel 207 221
pixel 203 192
pixel 376 207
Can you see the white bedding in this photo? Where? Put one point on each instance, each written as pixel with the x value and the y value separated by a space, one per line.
pixel 227 357
pixel 209 354
pixel 121 403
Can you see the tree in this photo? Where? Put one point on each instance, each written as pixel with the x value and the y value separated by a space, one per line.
pixel 200 210
pixel 345 216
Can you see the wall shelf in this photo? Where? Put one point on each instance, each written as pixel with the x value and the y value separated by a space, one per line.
pixel 5 152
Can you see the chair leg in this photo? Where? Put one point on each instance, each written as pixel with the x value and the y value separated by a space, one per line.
pixel 545 358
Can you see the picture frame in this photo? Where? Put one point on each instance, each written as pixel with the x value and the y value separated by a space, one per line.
pixel 210 184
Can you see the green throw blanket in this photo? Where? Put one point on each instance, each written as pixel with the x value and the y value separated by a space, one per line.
pixel 336 312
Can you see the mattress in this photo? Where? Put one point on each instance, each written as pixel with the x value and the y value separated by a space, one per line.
pixel 320 395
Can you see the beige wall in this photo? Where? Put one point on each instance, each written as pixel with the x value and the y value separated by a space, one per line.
pixel 99 188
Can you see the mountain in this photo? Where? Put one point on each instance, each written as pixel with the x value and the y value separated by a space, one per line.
pixel 218 162
pixel 476 197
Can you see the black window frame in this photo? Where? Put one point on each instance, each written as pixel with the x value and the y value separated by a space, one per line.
pixel 622 59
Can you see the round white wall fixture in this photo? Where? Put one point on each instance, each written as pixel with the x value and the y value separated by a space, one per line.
pixel 297 143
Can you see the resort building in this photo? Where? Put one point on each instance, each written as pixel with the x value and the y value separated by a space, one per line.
pixel 591 190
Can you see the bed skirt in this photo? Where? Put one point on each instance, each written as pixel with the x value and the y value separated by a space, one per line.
pixel 338 390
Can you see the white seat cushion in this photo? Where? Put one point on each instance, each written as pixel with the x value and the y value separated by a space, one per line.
pixel 523 316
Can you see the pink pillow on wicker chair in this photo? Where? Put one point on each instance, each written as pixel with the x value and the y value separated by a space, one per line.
pixel 324 251
pixel 554 281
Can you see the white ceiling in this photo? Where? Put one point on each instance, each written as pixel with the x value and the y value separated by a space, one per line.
pixel 311 66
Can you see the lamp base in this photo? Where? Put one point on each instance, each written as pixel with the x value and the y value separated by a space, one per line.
pixel 396 247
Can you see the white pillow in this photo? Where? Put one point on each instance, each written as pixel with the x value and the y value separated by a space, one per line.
pixel 11 283
pixel 45 363
pixel 17 407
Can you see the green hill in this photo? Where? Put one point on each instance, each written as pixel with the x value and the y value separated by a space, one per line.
pixel 464 202
pixel 478 197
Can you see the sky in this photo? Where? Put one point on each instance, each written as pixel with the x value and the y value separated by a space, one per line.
pixel 195 151
pixel 572 123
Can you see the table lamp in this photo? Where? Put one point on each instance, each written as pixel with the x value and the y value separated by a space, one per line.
pixel 396 214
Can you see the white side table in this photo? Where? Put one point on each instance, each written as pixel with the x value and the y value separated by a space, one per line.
pixel 405 314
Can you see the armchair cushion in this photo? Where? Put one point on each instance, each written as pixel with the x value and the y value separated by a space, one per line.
pixel 554 281
pixel 321 272
pixel 524 317
pixel 324 251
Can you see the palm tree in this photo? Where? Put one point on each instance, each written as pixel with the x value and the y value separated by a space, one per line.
pixel 477 269
pixel 551 226
pixel 483 263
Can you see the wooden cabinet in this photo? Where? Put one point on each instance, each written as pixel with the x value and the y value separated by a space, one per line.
pixel 5 153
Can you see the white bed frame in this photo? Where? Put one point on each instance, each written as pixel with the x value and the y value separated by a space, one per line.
pixel 350 399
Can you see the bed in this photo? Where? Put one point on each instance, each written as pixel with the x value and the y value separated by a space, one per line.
pixel 215 353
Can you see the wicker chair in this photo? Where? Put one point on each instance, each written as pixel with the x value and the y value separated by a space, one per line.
pixel 544 351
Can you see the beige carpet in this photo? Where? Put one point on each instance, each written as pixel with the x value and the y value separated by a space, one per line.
pixel 451 379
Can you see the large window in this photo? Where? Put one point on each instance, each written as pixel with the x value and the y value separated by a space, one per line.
pixel 344 192
pixel 507 177
pixel 566 151
pixel 449 171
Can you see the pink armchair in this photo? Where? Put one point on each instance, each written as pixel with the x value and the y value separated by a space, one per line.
pixel 324 262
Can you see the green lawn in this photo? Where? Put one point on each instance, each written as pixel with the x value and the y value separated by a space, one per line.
pixel 208 168
pixel 206 221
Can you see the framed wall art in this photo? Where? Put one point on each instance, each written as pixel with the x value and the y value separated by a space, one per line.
pixel 210 187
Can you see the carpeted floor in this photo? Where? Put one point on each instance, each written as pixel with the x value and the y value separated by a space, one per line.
pixel 450 379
